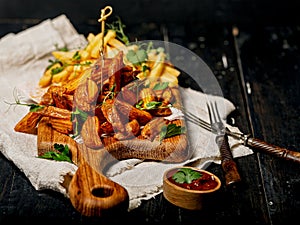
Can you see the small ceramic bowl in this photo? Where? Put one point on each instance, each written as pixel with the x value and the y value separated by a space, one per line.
pixel 185 195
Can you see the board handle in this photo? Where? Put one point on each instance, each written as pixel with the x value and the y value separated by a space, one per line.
pixel 93 194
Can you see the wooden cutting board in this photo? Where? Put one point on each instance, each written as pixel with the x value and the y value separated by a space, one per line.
pixel 91 193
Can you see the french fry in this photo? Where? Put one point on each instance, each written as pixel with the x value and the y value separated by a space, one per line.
pixel 94 47
pixel 113 42
pixel 45 80
pixel 77 70
pixel 171 70
pixel 111 52
pixel 84 55
pixel 61 76
pixel 92 44
pixel 157 68
pixel 63 56
pixel 111 34
pixel 172 80
pixel 73 84
pixel 90 37
pixel 95 53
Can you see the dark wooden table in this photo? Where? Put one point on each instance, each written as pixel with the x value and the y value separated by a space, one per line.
pixel 262 80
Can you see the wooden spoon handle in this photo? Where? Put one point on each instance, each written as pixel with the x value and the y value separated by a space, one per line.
pixel 93 194
pixel 274 150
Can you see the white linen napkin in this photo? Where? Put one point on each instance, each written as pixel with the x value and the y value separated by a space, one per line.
pixel 24 56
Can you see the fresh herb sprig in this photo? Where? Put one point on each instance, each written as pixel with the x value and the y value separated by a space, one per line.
pixel 63 153
pixel 160 86
pixel 186 175
pixel 170 130
pixel 118 26
pixel 62 65
pixel 78 117
pixel 149 105
pixel 140 56
pixel 137 57
pixel 33 107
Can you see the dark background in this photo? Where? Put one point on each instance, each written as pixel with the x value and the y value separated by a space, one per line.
pixel 238 12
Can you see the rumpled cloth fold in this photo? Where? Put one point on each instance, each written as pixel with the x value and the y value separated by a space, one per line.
pixel 24 56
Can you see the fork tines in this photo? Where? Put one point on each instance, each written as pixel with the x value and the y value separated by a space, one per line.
pixel 196 120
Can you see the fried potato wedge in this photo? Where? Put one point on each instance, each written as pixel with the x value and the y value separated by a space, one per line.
pixel 28 124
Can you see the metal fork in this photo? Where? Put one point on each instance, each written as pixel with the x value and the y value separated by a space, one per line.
pixel 232 176
pixel 246 140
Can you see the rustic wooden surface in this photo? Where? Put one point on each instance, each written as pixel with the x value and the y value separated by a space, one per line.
pixel 266 94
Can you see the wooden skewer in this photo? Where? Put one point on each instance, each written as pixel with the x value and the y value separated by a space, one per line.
pixel 106 12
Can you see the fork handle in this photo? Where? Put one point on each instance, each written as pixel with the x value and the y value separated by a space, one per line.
pixel 274 150
pixel 232 176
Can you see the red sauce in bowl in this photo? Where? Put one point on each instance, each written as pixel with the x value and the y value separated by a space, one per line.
pixel 205 182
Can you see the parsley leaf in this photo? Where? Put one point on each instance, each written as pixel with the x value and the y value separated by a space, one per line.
pixel 186 175
pixel 163 133
pixel 63 153
pixel 171 130
pixel 63 49
pixel 161 86
pixel 52 63
pixel 78 117
pixel 137 57
pixel 139 105
pixel 76 56
pixel 148 105
pixel 35 107
pixel 153 105
pixel 56 70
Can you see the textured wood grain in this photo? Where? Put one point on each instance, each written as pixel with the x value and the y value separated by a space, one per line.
pixel 231 172
pixel 93 194
pixel 274 150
